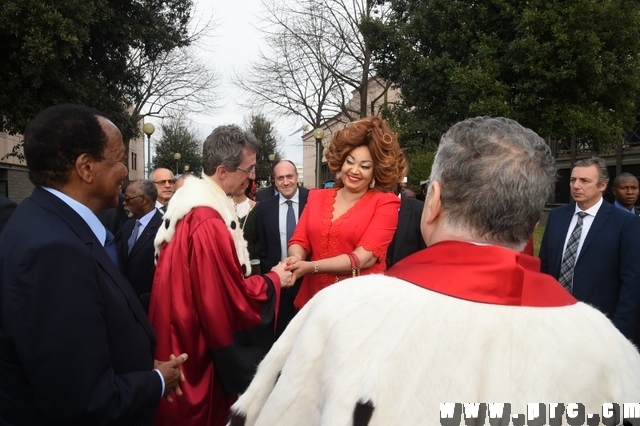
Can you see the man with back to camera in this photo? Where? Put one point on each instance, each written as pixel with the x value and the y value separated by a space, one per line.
pixel 592 248
pixel 76 347
pixel 135 241
pixel 201 300
pixel 407 239
pixel 165 183
pixel 468 319
pixel 275 217
pixel 625 189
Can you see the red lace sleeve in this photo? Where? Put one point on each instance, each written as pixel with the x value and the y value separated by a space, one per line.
pixel 382 226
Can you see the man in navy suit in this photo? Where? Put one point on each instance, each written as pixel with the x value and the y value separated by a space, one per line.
pixel 76 347
pixel 408 237
pixel 272 217
pixel 626 190
pixel 137 253
pixel 605 270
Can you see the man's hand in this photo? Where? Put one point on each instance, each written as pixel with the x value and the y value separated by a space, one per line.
pixel 172 374
pixel 285 275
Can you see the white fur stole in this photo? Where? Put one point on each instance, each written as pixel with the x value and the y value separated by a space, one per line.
pixel 202 193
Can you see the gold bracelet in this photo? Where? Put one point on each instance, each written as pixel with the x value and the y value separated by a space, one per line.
pixel 315 268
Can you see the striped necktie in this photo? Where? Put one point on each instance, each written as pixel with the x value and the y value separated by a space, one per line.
pixel 570 254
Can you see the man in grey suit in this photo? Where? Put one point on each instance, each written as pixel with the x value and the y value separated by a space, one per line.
pixel 272 215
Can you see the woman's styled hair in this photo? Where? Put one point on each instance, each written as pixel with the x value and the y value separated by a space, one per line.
pixel 389 165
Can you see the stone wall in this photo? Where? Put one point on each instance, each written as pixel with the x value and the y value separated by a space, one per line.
pixel 16 181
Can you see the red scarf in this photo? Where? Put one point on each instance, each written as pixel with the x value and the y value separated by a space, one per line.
pixel 480 273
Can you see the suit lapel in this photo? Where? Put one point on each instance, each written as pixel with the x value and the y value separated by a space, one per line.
pixel 302 198
pixel 274 223
pixel 83 231
pixel 149 233
pixel 601 217
pixel 559 235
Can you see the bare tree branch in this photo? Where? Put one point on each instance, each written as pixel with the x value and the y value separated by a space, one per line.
pixel 316 61
pixel 176 81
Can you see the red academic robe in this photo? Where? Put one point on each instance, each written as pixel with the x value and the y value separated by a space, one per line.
pixel 202 305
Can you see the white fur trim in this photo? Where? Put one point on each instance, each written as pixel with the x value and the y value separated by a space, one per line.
pixel 408 349
pixel 202 193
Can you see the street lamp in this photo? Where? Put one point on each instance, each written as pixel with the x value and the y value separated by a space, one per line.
pixel 185 169
pixel 272 158
pixel 148 130
pixel 318 133
pixel 176 157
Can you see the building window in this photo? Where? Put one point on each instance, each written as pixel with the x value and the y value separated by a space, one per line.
pixel 134 161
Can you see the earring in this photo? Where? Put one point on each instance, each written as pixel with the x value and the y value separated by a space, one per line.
pixel 373 183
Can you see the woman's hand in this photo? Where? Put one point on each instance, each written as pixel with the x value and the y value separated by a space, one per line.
pixel 300 268
pixel 291 260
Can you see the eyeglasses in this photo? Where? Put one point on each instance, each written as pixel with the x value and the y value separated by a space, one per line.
pixel 249 172
pixel 165 181
pixel 128 199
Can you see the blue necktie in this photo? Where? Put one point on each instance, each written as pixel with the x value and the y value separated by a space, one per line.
pixel 291 219
pixel 134 235
pixel 111 249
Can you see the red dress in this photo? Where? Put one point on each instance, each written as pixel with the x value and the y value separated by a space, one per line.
pixel 370 224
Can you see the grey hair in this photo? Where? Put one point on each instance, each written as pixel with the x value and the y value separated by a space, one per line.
pixel 223 147
pixel 152 176
pixel 149 189
pixel 601 166
pixel 495 177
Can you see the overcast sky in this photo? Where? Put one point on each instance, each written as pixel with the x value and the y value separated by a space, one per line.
pixel 232 43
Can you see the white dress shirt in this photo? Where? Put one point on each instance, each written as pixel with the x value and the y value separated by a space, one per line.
pixel 282 219
pixel 587 221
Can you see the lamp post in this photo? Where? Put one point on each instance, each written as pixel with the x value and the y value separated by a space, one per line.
pixel 148 130
pixel 272 158
pixel 176 157
pixel 318 133
pixel 185 169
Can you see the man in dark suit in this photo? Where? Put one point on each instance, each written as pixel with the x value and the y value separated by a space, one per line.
pixel 265 193
pixel 270 191
pixel 593 248
pixel 272 231
pixel 6 208
pixel 113 218
pixel 76 347
pixel 137 251
pixel 408 237
pixel 626 190
pixel 166 186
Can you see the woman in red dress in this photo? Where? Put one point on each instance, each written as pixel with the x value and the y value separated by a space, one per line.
pixel 346 229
